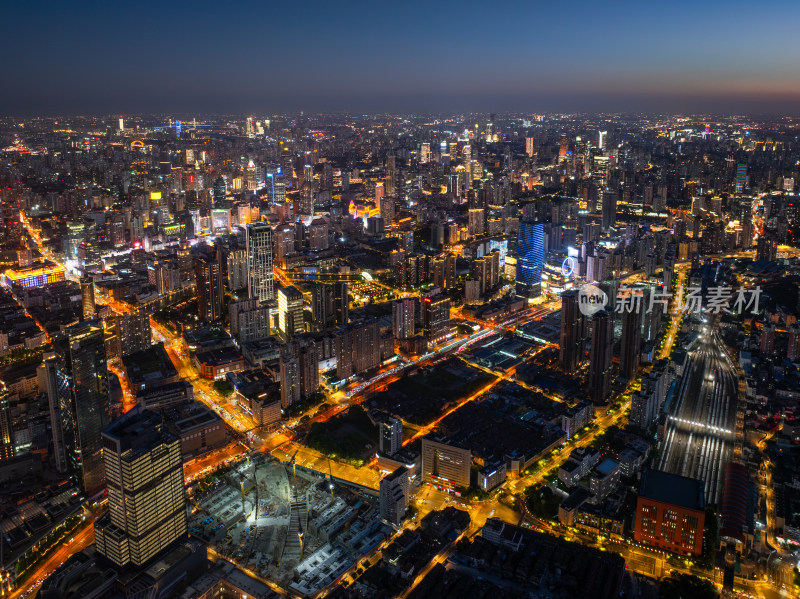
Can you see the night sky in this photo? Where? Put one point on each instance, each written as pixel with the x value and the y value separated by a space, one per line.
pixel 141 56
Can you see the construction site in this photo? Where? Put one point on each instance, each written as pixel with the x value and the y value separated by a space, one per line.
pixel 296 527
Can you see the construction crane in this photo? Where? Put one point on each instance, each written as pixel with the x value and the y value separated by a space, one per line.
pixel 330 471
pixel 294 468
pixel 349 522
pixel 241 488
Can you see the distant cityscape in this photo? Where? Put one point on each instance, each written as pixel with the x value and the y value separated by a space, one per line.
pixel 414 355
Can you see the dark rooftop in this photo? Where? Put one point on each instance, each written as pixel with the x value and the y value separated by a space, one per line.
pixel 673 489
pixel 137 429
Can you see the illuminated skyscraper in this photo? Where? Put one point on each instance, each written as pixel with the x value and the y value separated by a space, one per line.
pixel 54 383
pixel 564 147
pixel 476 221
pixel 394 493
pixel 609 209
pixel 741 177
pixel 249 319
pixel 530 259
pixel 322 305
pixel 290 312
pixel 330 304
pixel 403 318
pixel 443 269
pixel 210 291
pixel 384 202
pixel 259 259
pixel 299 370
pixel 436 318
pixel 77 389
pixel 6 434
pixel 767 247
pixel 425 153
pixel 219 192
pixel 573 332
pixel 318 235
pixel 146 491
pixel 601 139
pixel 307 191
pixel 341 302
pixel 87 298
pixel 391 175
pixel 601 356
pixel 530 146
pixel 132 332
pixel 390 438
pixel 630 345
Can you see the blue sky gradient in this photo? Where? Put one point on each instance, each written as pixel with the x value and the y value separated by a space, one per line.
pixel 89 57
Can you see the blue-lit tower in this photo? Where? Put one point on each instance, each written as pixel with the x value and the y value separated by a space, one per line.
pixel 530 259
pixel 741 177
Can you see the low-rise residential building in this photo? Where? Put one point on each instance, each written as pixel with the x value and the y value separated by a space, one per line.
pixel 604 479
pixel 199 428
pixel 216 363
pixel 576 417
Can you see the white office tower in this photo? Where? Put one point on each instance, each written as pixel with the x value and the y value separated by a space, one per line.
pixel 146 493
pixel 394 491
pixel 259 261
pixel 391 436
pixel 403 311
pixel 290 312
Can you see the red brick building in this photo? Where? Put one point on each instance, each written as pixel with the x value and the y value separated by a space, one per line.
pixel 670 513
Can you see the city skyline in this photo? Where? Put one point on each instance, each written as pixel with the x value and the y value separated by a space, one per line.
pixel 400 300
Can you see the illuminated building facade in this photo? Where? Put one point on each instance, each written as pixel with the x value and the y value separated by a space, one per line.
pixel 146 493
pixel 259 259
pixel 573 332
pixel 530 259
pixel 209 280
pixel 403 317
pixel 632 335
pixel 77 390
pixel 741 177
pixel 394 495
pixel 670 512
pixel 445 465
pixel 390 436
pixel 6 435
pixel 290 312
pixel 436 318
pixel 602 353
pixel 36 275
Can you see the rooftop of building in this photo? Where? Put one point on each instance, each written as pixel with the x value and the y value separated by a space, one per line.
pixel 606 467
pixel 673 489
pixel 138 430
pixel 576 499
pixel 291 292
pixel 570 466
pixel 187 417
pixel 206 336
pixel 149 365
pixel 398 473
pixel 220 355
